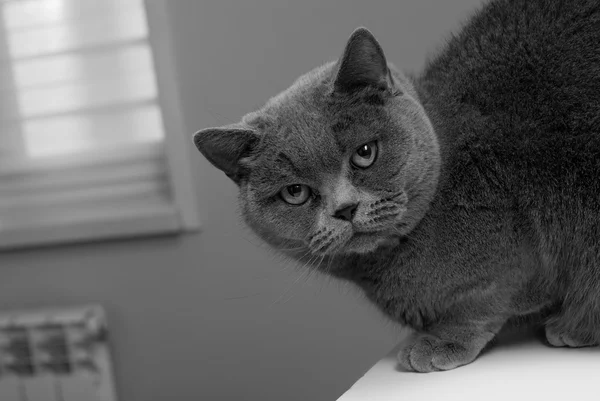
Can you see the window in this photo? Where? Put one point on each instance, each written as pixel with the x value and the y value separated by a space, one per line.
pixel 91 144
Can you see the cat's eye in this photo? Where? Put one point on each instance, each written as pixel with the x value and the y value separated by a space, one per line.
pixel 295 194
pixel 365 155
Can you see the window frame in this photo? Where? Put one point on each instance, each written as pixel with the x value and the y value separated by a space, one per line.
pixel 177 139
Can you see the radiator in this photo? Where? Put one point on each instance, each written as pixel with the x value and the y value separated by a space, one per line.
pixel 55 355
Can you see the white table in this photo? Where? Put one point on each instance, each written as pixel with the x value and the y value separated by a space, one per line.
pixel 517 368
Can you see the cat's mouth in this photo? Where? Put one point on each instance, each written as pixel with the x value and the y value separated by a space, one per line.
pixel 362 236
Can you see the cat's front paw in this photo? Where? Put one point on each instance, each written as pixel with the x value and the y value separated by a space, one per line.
pixel 558 339
pixel 425 353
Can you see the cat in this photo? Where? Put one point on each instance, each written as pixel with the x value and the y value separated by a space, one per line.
pixel 456 199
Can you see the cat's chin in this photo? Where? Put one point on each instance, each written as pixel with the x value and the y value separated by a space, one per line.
pixel 361 243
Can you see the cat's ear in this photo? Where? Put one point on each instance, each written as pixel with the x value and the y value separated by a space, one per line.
pixel 363 64
pixel 224 147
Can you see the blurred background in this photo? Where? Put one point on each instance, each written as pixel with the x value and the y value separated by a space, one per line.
pixel 105 200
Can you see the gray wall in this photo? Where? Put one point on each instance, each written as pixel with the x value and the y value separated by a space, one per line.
pixel 209 315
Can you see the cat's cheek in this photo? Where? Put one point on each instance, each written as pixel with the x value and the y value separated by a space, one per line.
pixel 279 221
pixel 292 225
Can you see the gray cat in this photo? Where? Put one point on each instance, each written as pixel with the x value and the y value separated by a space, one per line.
pixel 457 199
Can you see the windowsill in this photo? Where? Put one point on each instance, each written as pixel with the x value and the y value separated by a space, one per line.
pixel 135 225
pixel 516 368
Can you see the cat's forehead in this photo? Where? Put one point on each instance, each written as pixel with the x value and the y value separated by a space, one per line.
pixel 305 128
pixel 300 136
pixel 321 128
pixel 308 111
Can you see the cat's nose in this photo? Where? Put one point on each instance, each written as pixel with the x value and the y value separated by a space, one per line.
pixel 346 212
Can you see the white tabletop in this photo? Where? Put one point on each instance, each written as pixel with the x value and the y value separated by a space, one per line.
pixel 515 369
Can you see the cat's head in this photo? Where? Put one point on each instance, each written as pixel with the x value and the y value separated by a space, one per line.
pixel 343 161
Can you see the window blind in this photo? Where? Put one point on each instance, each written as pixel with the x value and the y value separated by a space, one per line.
pixel 82 138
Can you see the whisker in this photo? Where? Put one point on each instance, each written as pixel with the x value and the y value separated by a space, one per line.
pixel 328 269
pixel 298 248
pixel 293 263
pixel 302 275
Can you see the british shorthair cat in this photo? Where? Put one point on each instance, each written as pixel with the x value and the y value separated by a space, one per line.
pixel 456 199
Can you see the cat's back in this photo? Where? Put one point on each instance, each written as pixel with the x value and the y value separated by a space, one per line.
pixel 518 91
pixel 533 59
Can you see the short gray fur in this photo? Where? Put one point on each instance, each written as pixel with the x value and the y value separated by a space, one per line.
pixel 483 203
